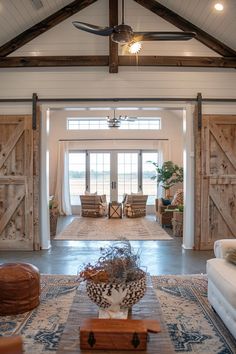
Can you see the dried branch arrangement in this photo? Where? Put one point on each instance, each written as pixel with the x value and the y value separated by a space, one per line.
pixel 117 264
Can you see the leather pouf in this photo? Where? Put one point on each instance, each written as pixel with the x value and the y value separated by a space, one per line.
pixel 19 288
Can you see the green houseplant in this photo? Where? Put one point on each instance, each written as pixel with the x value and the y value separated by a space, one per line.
pixel 167 175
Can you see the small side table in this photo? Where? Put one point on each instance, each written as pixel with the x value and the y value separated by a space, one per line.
pixel 115 210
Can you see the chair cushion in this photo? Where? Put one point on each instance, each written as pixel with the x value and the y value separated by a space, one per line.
pixel 166 201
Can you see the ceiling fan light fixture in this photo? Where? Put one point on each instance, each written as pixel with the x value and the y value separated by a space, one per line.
pixel 218 6
pixel 122 34
pixel 134 47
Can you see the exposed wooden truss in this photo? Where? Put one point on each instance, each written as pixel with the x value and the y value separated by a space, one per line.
pixel 44 26
pixel 113 60
pixel 122 60
pixel 113 47
pixel 184 25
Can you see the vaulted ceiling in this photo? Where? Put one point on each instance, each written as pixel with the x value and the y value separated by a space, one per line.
pixel 22 21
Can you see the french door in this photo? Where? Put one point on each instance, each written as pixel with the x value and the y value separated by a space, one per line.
pixel 113 173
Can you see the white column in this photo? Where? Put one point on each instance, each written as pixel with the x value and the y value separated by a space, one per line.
pixel 44 181
pixel 188 160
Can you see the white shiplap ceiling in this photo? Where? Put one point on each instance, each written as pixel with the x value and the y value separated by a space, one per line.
pixel 18 15
pixel 219 24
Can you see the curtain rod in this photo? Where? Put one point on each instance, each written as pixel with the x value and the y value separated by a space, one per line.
pixel 110 139
pixel 121 99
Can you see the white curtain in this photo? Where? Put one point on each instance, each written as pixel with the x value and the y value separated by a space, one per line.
pixel 62 192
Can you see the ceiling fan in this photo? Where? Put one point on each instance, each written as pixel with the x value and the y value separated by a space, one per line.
pixel 115 122
pixel 123 34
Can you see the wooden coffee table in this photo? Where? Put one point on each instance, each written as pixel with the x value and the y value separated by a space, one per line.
pixel 82 307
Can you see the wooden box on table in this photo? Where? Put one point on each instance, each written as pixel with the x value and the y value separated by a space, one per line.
pixel 113 334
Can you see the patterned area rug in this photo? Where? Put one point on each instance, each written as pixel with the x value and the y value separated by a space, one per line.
pixel 112 229
pixel 192 324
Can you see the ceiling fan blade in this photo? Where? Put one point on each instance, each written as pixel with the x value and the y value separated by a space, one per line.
pixel 101 31
pixel 127 118
pixel 163 36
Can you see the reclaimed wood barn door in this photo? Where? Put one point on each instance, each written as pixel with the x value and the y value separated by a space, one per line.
pixel 215 204
pixel 19 170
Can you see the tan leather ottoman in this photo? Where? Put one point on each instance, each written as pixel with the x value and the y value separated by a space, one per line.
pixel 20 288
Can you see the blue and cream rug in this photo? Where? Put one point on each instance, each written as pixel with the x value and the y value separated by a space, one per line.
pixel 192 324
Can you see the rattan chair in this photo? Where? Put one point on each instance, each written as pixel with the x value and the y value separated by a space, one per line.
pixel 93 205
pixel 135 205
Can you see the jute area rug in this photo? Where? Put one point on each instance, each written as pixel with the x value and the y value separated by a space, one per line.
pixel 83 228
pixel 193 326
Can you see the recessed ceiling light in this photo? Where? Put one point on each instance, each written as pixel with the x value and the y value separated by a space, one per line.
pixel 218 6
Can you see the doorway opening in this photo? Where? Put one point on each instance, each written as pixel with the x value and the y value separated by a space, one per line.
pixel 168 143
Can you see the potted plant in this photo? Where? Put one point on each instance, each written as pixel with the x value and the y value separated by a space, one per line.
pixel 167 175
pixel 115 282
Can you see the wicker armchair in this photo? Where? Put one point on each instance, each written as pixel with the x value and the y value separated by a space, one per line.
pixel 164 213
pixel 135 205
pixel 93 205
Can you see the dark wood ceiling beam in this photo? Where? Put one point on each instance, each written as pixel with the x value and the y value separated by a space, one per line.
pixel 54 61
pixel 184 61
pixel 123 60
pixel 113 47
pixel 44 26
pixel 180 22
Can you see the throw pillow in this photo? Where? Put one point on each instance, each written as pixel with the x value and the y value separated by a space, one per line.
pixel 88 193
pixel 178 198
pixel 103 198
pixel 166 201
pixel 230 255
pixel 124 197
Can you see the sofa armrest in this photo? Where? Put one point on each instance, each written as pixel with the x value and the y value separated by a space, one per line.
pixel 221 246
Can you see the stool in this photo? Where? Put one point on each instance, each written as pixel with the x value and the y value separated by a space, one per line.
pixel 20 288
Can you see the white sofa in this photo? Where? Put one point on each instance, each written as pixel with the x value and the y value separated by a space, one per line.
pixel 222 284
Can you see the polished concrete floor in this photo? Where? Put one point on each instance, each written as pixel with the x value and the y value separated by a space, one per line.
pixel 68 257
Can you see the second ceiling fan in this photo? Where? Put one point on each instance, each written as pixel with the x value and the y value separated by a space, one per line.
pixel 124 34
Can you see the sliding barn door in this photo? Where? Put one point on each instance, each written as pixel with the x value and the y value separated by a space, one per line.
pixel 215 215
pixel 19 160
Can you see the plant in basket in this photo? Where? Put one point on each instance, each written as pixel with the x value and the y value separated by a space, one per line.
pixel 115 282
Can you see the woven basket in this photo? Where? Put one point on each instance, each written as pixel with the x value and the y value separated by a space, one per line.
pixel 53 221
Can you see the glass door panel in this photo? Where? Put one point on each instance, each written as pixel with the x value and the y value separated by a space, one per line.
pixel 77 176
pixel 100 173
pixel 148 170
pixel 127 174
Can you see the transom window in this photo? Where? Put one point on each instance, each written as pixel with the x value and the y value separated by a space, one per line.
pixel 141 123
pixel 86 124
